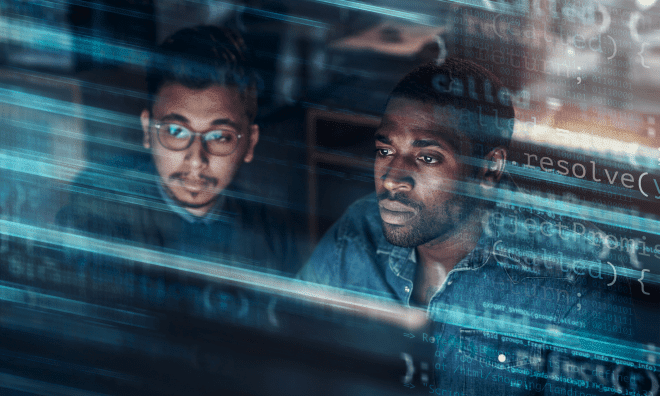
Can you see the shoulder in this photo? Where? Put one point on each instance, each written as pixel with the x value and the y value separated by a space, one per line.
pixel 347 253
pixel 360 225
pixel 268 233
pixel 101 196
pixel 249 212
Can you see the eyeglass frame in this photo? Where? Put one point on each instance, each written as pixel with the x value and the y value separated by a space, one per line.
pixel 194 135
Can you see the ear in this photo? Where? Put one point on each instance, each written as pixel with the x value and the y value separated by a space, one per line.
pixel 254 139
pixel 493 168
pixel 145 117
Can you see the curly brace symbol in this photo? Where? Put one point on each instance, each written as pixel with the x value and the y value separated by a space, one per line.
pixel 640 281
pixel 614 269
pixel 641 51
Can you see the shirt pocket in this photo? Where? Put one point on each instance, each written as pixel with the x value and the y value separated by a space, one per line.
pixel 505 352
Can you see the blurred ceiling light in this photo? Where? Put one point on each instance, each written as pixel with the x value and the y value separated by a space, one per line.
pixel 645 4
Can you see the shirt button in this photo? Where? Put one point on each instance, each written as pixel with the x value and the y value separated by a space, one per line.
pixel 449 283
pixel 406 289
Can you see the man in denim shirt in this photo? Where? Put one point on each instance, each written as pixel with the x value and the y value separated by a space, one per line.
pixel 426 239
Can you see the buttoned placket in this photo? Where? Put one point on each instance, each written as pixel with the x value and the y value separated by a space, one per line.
pixel 403 267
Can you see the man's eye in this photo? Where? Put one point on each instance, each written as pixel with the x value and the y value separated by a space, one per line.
pixel 383 152
pixel 178 131
pixel 428 159
pixel 219 136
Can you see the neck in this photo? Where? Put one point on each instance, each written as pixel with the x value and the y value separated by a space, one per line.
pixel 199 212
pixel 436 258
pixel 452 249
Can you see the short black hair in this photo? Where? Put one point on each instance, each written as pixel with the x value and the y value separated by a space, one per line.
pixel 202 56
pixel 465 85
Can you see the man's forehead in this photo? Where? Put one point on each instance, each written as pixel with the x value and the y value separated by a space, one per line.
pixel 173 94
pixel 474 122
pixel 448 116
pixel 208 103
pixel 431 117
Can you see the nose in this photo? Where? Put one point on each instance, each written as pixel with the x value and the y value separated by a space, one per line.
pixel 398 177
pixel 196 154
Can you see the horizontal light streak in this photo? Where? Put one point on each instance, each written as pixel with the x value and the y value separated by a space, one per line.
pixel 222 271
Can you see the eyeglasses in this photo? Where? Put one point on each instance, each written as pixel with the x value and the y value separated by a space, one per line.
pixel 176 137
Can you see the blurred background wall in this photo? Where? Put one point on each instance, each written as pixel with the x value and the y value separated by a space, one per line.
pixel 72 86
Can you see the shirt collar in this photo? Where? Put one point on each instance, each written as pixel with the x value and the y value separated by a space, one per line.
pixel 403 261
pixel 479 256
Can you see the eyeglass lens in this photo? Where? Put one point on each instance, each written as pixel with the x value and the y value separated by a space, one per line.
pixel 217 142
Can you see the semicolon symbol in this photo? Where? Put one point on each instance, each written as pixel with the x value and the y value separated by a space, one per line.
pixel 578 304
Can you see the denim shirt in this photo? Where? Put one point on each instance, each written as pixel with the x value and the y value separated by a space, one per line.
pixel 491 318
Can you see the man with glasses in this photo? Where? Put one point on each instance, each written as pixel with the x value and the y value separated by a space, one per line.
pixel 199 128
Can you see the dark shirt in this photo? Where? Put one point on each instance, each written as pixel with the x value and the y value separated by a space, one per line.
pixel 505 318
pixel 131 207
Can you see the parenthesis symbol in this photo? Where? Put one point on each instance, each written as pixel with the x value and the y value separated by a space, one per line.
pixel 606 19
pixel 442 50
pixel 654 382
pixel 613 280
pixel 632 25
pixel 410 368
pixel 495 25
pixel 641 51
pixel 640 281
pixel 615 378
pixel 639 182
pixel 613 42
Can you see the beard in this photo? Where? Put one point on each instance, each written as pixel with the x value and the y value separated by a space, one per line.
pixel 209 189
pixel 427 225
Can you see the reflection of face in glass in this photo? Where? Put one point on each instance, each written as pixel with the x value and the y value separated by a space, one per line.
pixel 198 139
pixel 416 170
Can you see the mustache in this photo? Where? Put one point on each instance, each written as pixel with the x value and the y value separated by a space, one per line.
pixel 183 176
pixel 400 197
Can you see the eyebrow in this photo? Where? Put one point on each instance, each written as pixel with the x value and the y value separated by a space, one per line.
pixel 175 117
pixel 427 143
pixel 184 120
pixel 451 143
pixel 382 138
pixel 447 142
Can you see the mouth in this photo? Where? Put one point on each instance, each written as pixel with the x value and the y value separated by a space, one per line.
pixel 195 186
pixel 395 213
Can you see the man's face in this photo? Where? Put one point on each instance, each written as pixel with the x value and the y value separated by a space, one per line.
pixel 193 177
pixel 416 171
